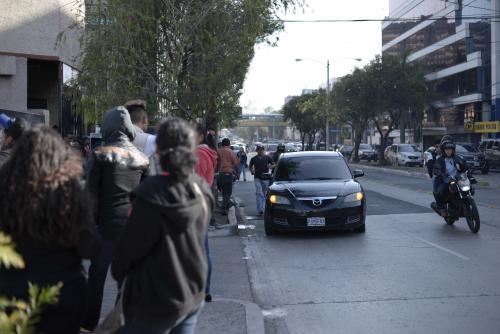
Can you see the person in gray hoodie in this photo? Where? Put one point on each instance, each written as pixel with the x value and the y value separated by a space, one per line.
pixel 112 172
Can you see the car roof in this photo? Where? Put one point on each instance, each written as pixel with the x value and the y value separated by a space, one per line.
pixel 311 154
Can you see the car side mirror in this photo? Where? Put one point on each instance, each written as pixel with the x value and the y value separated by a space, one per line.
pixel 358 173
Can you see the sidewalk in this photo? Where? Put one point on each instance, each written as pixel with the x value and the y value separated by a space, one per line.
pixel 232 309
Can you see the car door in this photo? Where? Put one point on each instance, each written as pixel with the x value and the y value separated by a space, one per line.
pixel 494 154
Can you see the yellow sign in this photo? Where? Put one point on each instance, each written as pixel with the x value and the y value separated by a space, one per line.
pixel 485 127
pixel 469 126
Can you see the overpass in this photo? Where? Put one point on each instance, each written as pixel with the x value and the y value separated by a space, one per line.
pixel 263 120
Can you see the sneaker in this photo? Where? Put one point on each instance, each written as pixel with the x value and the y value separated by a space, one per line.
pixel 208 298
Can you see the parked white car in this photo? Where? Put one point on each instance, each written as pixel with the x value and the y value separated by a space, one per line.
pixel 405 155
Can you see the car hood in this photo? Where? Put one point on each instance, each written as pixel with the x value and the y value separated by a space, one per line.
pixel 320 188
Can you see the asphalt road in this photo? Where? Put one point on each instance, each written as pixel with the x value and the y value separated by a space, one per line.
pixel 409 273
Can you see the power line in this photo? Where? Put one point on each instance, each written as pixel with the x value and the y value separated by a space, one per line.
pixel 389 19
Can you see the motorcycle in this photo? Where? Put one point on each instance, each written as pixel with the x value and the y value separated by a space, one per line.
pixel 461 202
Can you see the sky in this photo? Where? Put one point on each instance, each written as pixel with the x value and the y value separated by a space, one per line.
pixel 274 73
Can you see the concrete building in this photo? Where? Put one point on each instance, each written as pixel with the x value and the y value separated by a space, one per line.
pixel 454 42
pixel 35 62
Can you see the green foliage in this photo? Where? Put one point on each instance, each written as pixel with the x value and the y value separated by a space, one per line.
pixel 307 113
pixel 18 316
pixel 8 256
pixel 185 57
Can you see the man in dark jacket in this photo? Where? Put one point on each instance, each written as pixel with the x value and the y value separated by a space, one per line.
pixel 113 171
pixel 445 170
pixel 14 129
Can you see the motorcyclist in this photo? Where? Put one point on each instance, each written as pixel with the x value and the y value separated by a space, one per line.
pixel 279 150
pixel 445 170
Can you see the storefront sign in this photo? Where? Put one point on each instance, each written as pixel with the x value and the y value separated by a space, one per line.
pixel 487 126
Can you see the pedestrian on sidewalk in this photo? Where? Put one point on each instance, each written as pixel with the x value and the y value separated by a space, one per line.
pixel 13 130
pixel 145 142
pixel 47 212
pixel 205 167
pixel 242 155
pixel 259 165
pixel 161 254
pixel 113 171
pixel 228 162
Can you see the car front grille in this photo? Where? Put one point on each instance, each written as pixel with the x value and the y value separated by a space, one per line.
pixel 353 219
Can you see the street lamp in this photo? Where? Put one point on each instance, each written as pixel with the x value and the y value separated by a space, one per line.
pixel 327 127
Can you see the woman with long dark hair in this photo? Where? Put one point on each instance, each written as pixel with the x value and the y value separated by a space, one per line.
pixel 161 253
pixel 47 212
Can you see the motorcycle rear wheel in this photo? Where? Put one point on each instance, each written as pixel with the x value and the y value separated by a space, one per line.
pixel 472 215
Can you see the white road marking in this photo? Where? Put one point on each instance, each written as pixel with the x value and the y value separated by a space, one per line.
pixel 444 249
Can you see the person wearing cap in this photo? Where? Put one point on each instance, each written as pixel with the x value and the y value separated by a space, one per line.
pixel 445 169
pixel 13 130
pixel 228 162
pixel 259 165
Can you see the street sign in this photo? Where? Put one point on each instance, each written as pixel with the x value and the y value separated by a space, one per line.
pixel 483 127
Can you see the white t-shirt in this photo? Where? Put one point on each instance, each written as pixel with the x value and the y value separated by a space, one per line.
pixel 145 142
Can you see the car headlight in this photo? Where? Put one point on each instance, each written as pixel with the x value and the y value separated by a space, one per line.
pixel 356 197
pixel 276 199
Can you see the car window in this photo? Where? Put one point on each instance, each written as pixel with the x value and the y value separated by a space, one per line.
pixel 312 168
pixel 460 149
pixel 469 148
pixel 272 147
pixel 406 148
pixel 365 147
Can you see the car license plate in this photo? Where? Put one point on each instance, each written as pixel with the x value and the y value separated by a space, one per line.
pixel 316 221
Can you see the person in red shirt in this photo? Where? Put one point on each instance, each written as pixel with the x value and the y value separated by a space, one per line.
pixel 206 163
pixel 227 164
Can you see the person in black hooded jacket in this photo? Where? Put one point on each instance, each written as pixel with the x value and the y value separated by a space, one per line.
pixel 113 171
pixel 161 254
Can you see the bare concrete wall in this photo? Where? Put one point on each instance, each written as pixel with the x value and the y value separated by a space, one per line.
pixel 33 26
pixel 14 88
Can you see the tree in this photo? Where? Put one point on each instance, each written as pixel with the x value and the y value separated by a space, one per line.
pixel 306 113
pixel 187 58
pixel 353 104
pixel 400 93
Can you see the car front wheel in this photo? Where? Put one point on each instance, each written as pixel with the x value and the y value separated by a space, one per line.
pixel 268 228
pixel 361 229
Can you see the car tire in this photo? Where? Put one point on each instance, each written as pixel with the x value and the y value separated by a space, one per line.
pixel 361 229
pixel 268 228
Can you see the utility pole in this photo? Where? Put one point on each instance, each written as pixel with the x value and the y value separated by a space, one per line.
pixel 327 135
pixel 495 65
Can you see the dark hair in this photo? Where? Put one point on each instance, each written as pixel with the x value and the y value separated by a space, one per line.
pixel 137 110
pixel 176 145
pixel 41 197
pixel 437 142
pixel 208 138
pixel 226 142
pixel 16 129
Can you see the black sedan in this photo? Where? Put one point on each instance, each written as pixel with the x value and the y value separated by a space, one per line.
pixel 314 191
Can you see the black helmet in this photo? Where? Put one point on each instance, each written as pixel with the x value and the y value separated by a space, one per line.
pixel 281 147
pixel 447 142
pixel 226 142
pixel 259 147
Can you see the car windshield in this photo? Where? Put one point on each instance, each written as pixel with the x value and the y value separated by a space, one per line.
pixel 312 168
pixel 365 147
pixel 468 148
pixel 406 148
pixel 460 149
pixel 347 148
pixel 272 147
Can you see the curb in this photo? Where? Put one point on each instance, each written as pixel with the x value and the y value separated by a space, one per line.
pixel 254 319
pixel 421 175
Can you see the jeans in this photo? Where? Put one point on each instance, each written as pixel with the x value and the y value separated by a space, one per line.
pixel 227 189
pixel 260 192
pixel 98 271
pixel 209 260
pixel 185 325
pixel 441 194
pixel 242 170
